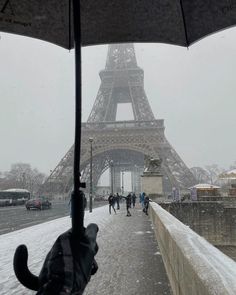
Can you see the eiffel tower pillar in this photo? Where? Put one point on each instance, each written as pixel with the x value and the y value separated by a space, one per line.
pixel 117 180
pixel 137 179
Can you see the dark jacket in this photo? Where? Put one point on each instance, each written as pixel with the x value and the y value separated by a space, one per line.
pixel 111 200
pixel 128 200
pixel 146 201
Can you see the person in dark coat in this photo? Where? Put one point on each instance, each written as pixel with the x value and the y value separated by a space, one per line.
pixel 146 205
pixel 128 203
pixel 133 199
pixel 111 202
pixel 117 201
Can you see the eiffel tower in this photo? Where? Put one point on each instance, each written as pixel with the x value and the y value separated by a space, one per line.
pixel 125 143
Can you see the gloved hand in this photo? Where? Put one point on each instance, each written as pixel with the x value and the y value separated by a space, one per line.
pixel 68 266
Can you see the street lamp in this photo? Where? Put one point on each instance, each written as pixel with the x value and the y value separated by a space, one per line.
pixel 91 175
pixel 51 184
pixel 136 178
pixel 122 183
pixel 112 166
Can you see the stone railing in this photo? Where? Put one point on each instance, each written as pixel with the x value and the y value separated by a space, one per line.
pixel 215 221
pixel 192 264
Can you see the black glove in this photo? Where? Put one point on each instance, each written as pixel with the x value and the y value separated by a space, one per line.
pixel 68 266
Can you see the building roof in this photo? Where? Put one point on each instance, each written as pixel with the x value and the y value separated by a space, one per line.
pixel 17 190
pixel 204 186
pixel 231 174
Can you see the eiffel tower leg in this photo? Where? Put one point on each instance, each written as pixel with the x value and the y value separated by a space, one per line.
pixel 117 180
pixel 174 169
pixel 137 179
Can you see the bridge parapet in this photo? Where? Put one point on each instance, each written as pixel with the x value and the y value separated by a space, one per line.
pixel 192 264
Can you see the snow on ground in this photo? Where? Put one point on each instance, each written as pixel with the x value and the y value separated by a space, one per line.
pixel 39 240
pixel 128 257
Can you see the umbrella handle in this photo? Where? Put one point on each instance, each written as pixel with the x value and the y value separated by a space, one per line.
pixel 22 272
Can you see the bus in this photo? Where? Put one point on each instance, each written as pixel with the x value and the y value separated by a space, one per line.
pixel 14 197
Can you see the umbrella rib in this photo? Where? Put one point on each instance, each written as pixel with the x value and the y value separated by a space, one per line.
pixel 184 23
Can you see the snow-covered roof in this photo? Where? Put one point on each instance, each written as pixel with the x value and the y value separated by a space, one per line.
pixel 231 174
pixel 204 186
pixel 19 190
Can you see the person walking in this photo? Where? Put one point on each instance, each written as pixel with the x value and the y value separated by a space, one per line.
pixel 141 198
pixel 111 203
pixel 117 200
pixel 146 205
pixel 133 199
pixel 128 204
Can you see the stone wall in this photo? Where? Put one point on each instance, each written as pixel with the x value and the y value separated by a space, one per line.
pixel 212 220
pixel 193 265
pixel 152 185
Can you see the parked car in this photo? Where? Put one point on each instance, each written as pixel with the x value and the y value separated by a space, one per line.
pixel 38 203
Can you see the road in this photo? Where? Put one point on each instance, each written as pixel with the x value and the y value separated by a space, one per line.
pixel 14 218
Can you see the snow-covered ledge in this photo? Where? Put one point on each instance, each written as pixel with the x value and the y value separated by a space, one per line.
pixel 192 264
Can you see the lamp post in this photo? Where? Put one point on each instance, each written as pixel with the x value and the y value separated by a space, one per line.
pixel 136 172
pixel 112 166
pixel 50 184
pixel 91 176
pixel 122 183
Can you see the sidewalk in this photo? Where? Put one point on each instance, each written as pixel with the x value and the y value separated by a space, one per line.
pixel 129 259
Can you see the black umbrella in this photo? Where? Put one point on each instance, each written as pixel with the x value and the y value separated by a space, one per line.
pixel 179 22
pixel 72 23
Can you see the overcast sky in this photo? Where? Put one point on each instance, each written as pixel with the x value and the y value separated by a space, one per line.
pixel 193 90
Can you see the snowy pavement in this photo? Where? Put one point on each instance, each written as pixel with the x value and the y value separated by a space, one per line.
pixel 129 259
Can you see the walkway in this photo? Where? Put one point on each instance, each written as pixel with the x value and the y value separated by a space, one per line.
pixel 129 259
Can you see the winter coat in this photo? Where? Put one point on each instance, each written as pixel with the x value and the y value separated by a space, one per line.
pixel 111 200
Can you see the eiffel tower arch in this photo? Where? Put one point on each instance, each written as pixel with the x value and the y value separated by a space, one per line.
pixel 126 143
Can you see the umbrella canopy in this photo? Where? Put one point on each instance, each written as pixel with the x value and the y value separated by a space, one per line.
pixel 179 22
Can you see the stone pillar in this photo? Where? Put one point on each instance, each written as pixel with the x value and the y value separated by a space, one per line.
pixel 152 185
pixel 136 181
pixel 152 179
pixel 117 180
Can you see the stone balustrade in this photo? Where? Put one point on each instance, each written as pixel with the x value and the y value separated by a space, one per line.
pixel 193 265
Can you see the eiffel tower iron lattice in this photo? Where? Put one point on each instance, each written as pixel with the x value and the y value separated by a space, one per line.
pixel 126 143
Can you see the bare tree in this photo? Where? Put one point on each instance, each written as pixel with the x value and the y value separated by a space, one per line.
pixel 200 174
pixel 233 166
pixel 23 176
pixel 214 171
